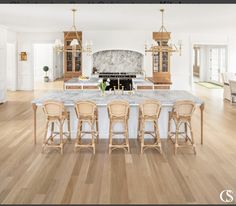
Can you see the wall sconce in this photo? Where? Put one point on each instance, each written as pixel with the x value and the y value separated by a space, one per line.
pixel 23 56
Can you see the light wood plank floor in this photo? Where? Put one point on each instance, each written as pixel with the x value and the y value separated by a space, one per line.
pixel 28 176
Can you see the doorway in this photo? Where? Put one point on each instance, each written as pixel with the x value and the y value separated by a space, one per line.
pixel 43 56
pixel 209 62
pixel 196 63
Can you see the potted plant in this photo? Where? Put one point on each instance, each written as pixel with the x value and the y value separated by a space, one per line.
pixel 102 85
pixel 46 78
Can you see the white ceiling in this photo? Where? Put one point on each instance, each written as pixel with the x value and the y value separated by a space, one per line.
pixel 178 18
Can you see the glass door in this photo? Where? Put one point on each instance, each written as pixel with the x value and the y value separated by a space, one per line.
pixel 217 64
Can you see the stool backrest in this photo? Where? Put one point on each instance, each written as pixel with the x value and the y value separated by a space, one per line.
pixel 184 108
pixel 118 109
pixel 85 108
pixel 150 108
pixel 232 85
pixel 53 108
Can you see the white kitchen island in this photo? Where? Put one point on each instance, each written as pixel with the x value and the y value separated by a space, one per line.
pixel 166 97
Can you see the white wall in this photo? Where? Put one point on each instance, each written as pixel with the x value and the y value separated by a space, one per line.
pixel 108 40
pixel 12 73
pixel 25 43
pixel 3 41
pixel 43 56
pixel 179 65
pixel 11 69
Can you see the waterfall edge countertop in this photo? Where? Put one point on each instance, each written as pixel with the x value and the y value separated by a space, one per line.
pixel 166 97
pixel 94 82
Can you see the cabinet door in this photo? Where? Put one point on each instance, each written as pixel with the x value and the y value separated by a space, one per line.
pixel 69 62
pixel 165 62
pixel 78 60
pixel 156 62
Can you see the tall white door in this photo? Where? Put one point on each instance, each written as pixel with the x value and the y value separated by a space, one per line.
pixel 217 63
pixel 11 67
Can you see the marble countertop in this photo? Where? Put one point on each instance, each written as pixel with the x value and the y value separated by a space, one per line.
pixel 77 82
pixel 141 82
pixel 94 82
pixel 167 97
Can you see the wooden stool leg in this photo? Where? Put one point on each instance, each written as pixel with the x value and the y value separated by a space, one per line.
pixel 52 131
pixel 193 142
pixel 176 137
pixel 158 136
pixel 78 132
pixel 155 130
pixel 97 131
pixel 93 135
pixel 61 136
pixel 142 135
pixel 45 136
pixel 81 129
pixel 186 131
pixel 68 125
pixel 138 134
pixel 110 136
pixel 169 124
pixel 127 135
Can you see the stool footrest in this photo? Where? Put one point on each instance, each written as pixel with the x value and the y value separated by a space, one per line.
pixel 119 145
pixel 84 145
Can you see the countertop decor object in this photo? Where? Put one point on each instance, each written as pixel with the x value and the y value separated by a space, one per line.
pixel 102 85
pixel 83 78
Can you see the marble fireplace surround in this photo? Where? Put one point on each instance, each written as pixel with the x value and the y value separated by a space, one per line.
pixel 118 60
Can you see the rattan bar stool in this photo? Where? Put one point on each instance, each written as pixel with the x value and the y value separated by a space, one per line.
pixel 56 114
pixel 149 111
pixel 118 112
pixel 181 114
pixel 86 112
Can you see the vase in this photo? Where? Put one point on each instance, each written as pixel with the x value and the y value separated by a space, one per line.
pixel 102 93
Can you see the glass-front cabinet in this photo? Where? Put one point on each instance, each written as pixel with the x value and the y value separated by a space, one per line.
pixel 161 60
pixel 72 61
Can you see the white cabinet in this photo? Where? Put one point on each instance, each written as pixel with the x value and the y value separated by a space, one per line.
pixel 2 65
